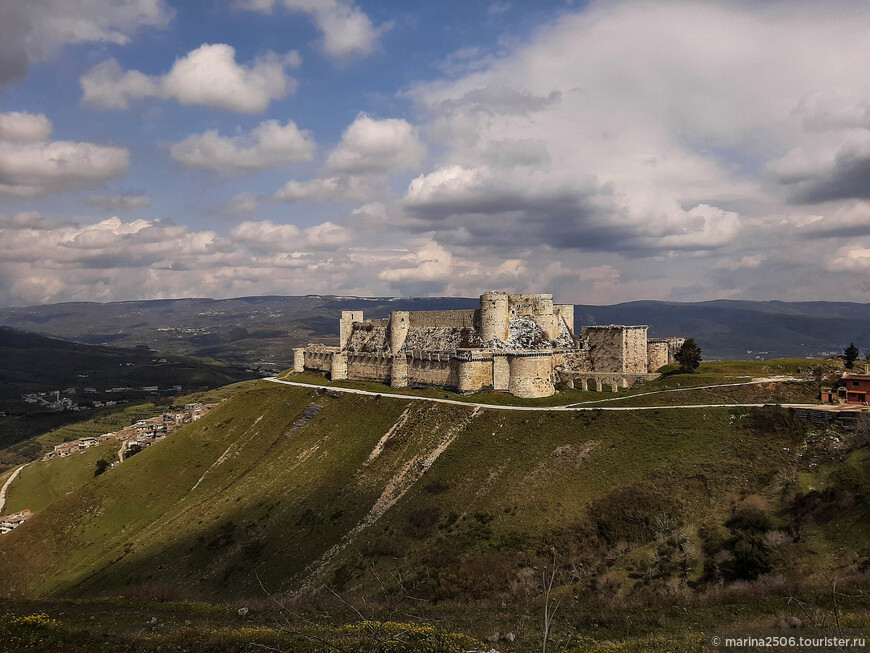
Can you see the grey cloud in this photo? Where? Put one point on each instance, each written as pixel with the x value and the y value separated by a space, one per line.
pixel 500 99
pixel 32 31
pixel 120 202
pixel 848 178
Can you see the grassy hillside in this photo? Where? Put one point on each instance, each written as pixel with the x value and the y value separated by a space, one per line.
pixel 428 506
pixel 42 483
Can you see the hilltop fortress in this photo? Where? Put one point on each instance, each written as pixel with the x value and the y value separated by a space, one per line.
pixel 522 344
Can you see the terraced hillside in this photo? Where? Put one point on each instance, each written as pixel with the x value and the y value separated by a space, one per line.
pixel 456 503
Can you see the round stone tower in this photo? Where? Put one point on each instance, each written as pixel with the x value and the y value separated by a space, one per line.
pixel 494 320
pixel 531 376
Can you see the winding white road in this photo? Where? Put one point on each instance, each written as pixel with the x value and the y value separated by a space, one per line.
pixel 7 484
pixel 571 407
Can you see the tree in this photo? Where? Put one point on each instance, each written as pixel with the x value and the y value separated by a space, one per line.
pixel 850 355
pixel 689 356
pixel 102 466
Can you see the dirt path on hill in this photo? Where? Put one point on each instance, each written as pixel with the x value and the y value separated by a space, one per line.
pixel 7 484
pixel 569 407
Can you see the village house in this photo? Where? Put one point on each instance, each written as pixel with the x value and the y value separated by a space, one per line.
pixel 11 522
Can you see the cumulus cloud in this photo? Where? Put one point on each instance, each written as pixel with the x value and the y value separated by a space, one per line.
pixel 347 30
pixel 482 206
pixel 35 31
pixel 656 146
pixel 266 235
pixel 32 167
pixel 325 189
pixel 376 146
pixel 120 202
pixel 269 145
pixel 18 126
pixel 207 76
pixel 115 259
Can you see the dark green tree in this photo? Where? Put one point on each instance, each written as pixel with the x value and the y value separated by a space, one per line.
pixel 850 355
pixel 102 466
pixel 689 356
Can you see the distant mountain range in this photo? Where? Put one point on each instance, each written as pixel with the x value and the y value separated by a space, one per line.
pixel 265 329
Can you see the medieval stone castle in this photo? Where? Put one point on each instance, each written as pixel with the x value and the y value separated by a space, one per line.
pixel 522 344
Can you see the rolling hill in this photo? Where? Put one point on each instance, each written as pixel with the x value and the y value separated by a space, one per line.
pixel 311 492
pixel 263 330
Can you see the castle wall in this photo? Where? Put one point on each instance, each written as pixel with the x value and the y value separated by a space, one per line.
pixel 474 375
pixel 635 352
pixel 369 367
pixel 319 359
pixel 657 354
pixel 565 312
pixel 338 370
pixel 400 323
pixel 367 336
pixel 460 319
pixel 578 360
pixel 531 376
pixel 399 372
pixel 501 373
pixel 538 307
pixel 345 326
pixel 444 374
pixel 617 348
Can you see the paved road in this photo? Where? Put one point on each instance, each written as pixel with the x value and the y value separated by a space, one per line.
pixel 572 407
pixel 7 484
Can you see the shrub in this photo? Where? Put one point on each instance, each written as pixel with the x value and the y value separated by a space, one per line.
pixel 421 522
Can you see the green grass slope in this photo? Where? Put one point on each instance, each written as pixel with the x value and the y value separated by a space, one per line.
pixel 375 496
pixel 43 482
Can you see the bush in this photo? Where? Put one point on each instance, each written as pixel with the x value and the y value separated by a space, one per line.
pixel 421 522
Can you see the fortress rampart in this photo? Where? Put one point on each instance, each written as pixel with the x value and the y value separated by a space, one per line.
pixel 522 343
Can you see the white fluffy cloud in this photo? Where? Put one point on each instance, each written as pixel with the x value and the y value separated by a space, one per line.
pixel 376 146
pixel 31 166
pixel 347 30
pixel 207 76
pixel 268 145
pixel 94 260
pixel 18 126
pixel 266 235
pixel 35 30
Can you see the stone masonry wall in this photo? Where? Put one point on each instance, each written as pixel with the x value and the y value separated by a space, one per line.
pixel 444 374
pixel 501 373
pixel 369 368
pixel 458 319
pixel 474 375
pixel 657 354
pixel 634 350
pixel 566 313
pixel 605 348
pixel 531 376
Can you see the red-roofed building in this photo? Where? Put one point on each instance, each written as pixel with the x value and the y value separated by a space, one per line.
pixel 857 387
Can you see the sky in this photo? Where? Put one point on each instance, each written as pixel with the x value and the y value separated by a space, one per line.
pixel 604 152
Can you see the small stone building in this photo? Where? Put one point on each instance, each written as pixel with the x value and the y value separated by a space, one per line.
pixel 520 343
